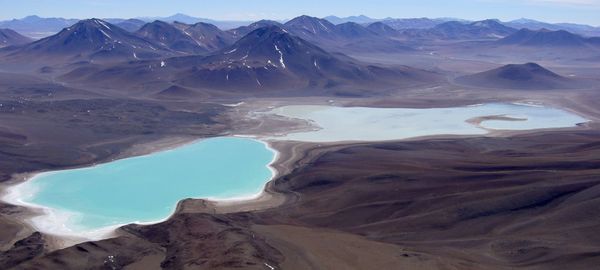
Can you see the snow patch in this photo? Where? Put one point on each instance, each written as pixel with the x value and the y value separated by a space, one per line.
pixel 102 23
pixel 104 33
pixel 232 51
pixel 280 56
pixel 326 29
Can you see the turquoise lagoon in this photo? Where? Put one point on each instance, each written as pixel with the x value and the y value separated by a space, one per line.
pixel 146 188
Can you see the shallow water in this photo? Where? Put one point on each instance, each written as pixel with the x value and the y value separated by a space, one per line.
pixel 147 188
pixel 381 124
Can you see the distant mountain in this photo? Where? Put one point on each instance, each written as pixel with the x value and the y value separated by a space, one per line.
pixel 37 27
pixel 580 29
pixel 209 37
pixel 267 59
pixel 545 38
pixel 183 18
pixel 131 25
pixel 9 37
pixel 346 36
pixel 414 23
pixel 530 76
pixel 92 39
pixel 487 29
pixel 244 30
pixel 351 30
pixel 361 19
pixel 311 28
pixel 171 37
pixel 383 29
pixel 179 17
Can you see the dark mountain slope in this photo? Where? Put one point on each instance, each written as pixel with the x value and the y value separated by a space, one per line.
pixel 170 36
pixel 244 30
pixel 209 37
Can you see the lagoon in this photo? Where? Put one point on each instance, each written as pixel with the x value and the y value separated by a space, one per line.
pixel 146 188
pixel 335 124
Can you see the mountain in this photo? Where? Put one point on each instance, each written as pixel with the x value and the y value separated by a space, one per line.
pixel 487 29
pixel 207 36
pixel 311 28
pixel 345 37
pixel 170 36
pixel 580 29
pixel 351 30
pixel 179 17
pixel 244 30
pixel 131 25
pixel 414 23
pixel 9 37
pixel 530 76
pixel 546 38
pixel 88 40
pixel 361 19
pixel 267 59
pixel 271 58
pixel 183 18
pixel 383 29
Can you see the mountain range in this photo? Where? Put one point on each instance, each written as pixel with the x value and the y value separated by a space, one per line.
pixel 267 59
pixel 177 58
pixel 37 27
pixel 88 40
pixel 199 38
pixel 456 30
pixel 547 38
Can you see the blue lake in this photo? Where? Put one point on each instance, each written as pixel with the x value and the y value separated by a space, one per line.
pixel 147 188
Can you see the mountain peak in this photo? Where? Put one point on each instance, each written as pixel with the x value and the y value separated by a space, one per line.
pixel 523 72
pixel 310 27
pixel 529 76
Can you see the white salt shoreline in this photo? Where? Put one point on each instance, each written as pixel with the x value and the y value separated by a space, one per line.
pixel 55 222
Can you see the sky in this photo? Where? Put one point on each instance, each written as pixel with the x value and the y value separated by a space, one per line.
pixel 575 11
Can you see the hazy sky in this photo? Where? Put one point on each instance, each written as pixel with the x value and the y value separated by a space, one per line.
pixel 579 11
